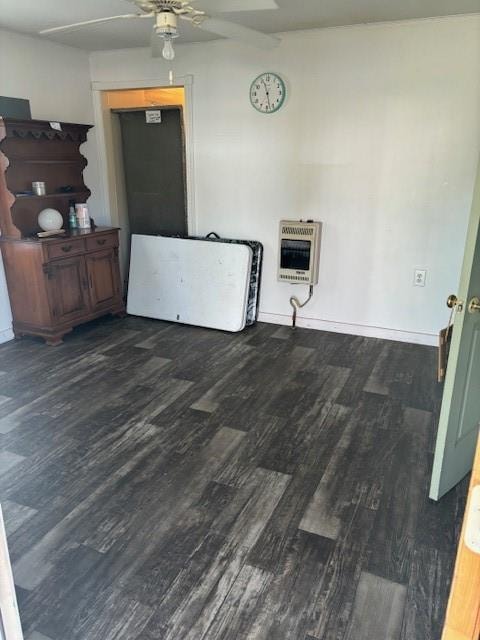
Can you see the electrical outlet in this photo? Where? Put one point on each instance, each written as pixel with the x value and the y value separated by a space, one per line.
pixel 419 277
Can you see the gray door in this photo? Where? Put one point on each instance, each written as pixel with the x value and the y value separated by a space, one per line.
pixel 154 162
pixel 460 413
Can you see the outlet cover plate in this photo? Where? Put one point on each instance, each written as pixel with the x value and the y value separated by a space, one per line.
pixel 419 277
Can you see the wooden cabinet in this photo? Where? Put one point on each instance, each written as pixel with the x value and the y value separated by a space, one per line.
pixel 58 282
pixel 50 293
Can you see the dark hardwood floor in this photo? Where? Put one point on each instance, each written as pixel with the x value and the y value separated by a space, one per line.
pixel 169 482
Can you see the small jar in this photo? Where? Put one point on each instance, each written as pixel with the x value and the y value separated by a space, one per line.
pixel 39 188
pixel 83 216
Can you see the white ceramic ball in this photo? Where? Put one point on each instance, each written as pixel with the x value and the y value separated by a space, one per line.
pixel 50 220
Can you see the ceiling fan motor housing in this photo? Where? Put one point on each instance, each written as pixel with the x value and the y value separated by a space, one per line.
pixel 155 6
pixel 166 24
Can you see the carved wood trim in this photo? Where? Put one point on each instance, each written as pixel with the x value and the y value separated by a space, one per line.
pixel 42 128
pixel 7 228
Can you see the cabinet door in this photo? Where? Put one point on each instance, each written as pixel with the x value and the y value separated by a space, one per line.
pixel 68 289
pixel 103 279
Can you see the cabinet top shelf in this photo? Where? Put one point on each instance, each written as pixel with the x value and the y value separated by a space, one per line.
pixel 70 194
pixel 40 161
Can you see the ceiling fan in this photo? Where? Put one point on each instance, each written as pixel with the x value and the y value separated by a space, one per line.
pixel 166 12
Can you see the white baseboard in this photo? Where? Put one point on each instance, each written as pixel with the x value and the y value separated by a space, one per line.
pixel 352 329
pixel 415 337
pixel 6 335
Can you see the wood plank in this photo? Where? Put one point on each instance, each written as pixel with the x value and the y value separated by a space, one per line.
pixel 292 603
pixel 153 580
pixel 398 511
pixel 238 530
pixel 427 592
pixel 319 517
pixel 203 404
pixel 15 515
pixel 8 460
pixel 117 618
pixel 234 617
pixel 37 563
pixel 306 408
pixel 378 609
pixel 337 591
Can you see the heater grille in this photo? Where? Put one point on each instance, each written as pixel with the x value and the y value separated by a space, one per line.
pixel 294 277
pixel 299 231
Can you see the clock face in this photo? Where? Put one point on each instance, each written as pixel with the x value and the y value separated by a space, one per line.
pixel 267 92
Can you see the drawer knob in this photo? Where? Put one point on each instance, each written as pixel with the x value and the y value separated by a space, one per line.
pixel 103 241
pixel 66 248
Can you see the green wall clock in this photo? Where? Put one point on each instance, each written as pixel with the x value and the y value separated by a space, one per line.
pixel 267 92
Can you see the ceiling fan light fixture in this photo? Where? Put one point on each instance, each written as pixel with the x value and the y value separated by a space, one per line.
pixel 166 12
pixel 166 28
pixel 168 52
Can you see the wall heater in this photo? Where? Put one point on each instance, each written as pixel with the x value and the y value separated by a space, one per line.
pixel 299 251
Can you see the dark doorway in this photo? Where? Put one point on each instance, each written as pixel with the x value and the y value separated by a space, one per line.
pixel 154 163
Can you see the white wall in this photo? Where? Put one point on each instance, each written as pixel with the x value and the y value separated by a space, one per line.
pixel 56 80
pixel 379 139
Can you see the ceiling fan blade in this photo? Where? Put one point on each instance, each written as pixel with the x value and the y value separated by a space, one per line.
pixel 239 32
pixel 227 6
pixel 156 44
pixel 78 25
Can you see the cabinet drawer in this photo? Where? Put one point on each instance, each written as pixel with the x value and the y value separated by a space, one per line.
pixel 102 242
pixel 65 249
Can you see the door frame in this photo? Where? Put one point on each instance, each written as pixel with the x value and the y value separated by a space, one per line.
pixel 10 625
pixel 110 180
pixel 462 619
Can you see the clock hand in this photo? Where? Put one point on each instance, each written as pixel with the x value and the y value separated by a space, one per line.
pixel 268 94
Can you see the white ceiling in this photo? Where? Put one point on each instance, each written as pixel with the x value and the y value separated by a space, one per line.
pixel 30 16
